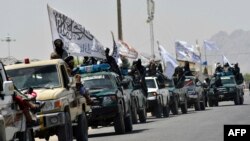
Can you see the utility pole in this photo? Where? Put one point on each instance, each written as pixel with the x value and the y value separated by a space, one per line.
pixel 119 18
pixel 8 39
pixel 151 10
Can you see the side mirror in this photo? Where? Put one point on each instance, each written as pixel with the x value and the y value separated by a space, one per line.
pixel 8 88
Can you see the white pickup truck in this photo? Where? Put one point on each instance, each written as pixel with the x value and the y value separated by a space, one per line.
pixel 158 97
pixel 12 119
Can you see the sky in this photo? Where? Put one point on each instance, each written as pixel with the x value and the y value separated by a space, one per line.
pixel 27 22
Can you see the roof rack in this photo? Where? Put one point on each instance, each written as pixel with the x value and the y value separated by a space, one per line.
pixel 91 68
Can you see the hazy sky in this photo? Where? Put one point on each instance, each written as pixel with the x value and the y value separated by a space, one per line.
pixel 27 21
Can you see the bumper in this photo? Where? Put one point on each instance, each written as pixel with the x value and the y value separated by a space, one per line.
pixel 51 120
pixel 100 113
pixel 223 97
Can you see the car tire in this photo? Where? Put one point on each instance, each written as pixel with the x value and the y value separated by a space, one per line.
pixel 197 105
pixel 64 132
pixel 26 136
pixel 119 124
pixel 184 106
pixel 174 107
pixel 242 100
pixel 216 103
pixel 210 102
pixel 237 99
pixel 158 109
pixel 143 115
pixel 81 128
pixel 134 112
pixel 203 104
pixel 166 111
pixel 128 122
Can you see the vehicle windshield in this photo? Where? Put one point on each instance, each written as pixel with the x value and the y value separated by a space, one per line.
pixel 98 82
pixel 150 83
pixel 169 83
pixel 188 82
pixel 227 80
pixel 35 77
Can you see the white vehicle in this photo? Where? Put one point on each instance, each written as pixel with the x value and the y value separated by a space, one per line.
pixel 158 97
pixel 12 119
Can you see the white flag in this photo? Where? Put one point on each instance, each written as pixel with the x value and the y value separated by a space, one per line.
pixel 169 62
pixel 126 50
pixel 186 52
pixel 209 45
pixel 77 40
pixel 115 53
pixel 225 60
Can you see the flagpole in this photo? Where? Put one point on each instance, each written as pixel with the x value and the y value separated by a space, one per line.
pixel 198 48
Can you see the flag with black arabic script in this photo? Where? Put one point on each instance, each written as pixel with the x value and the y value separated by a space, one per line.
pixel 77 40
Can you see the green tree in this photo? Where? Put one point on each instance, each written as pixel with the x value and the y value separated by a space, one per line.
pixel 247 77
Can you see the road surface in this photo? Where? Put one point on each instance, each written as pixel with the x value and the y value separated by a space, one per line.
pixel 195 126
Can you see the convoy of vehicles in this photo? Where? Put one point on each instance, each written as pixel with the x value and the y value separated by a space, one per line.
pixel 114 102
pixel 64 113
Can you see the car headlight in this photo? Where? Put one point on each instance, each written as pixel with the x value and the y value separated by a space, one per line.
pixel 108 100
pixel 49 105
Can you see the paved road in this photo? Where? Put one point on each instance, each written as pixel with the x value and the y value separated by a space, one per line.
pixel 194 126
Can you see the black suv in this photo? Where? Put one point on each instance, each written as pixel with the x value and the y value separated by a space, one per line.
pixel 111 104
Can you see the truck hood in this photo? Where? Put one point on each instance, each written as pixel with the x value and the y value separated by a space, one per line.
pixel 49 94
pixel 102 92
pixel 150 90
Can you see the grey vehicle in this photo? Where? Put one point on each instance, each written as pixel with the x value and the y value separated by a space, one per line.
pixel 158 97
pixel 195 93
pixel 178 97
pixel 138 100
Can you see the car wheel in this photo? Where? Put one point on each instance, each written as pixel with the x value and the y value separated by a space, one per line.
pixel 128 122
pixel 26 136
pixel 237 99
pixel 174 107
pixel 158 109
pixel 203 103
pixel 216 103
pixel 184 107
pixel 242 100
pixel 134 112
pixel 166 111
pixel 143 115
pixel 210 103
pixel 64 132
pixel 197 105
pixel 81 128
pixel 119 123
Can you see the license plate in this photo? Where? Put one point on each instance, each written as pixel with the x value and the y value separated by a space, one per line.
pixel 193 96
